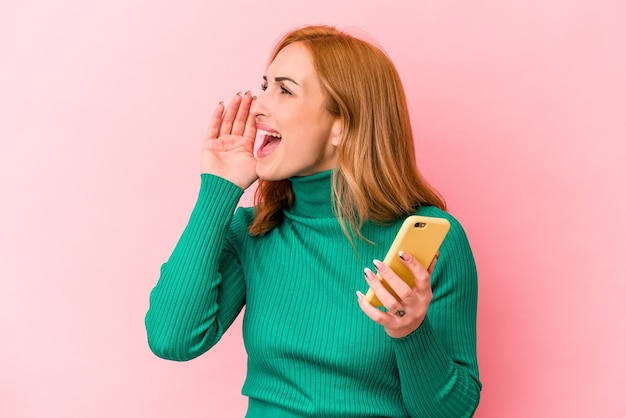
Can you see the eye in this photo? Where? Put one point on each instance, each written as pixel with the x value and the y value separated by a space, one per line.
pixel 264 86
pixel 284 90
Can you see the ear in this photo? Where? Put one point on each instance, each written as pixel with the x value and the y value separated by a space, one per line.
pixel 336 131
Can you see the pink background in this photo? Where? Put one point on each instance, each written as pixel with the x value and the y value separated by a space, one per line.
pixel 520 112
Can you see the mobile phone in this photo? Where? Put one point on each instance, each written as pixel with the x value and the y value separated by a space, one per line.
pixel 419 236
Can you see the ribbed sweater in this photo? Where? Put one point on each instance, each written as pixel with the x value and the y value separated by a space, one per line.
pixel 311 351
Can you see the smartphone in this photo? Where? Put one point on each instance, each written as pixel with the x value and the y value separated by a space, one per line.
pixel 421 237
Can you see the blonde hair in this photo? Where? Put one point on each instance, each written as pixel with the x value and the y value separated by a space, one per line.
pixel 376 178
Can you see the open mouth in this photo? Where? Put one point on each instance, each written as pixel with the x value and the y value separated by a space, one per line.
pixel 270 141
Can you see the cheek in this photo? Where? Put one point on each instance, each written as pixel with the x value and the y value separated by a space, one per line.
pixel 306 128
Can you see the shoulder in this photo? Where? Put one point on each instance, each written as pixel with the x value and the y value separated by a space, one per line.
pixel 456 229
pixel 237 232
pixel 241 221
pixel 244 215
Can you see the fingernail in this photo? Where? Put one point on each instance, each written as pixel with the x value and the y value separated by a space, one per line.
pixel 368 277
pixel 220 103
pixel 404 256
pixel 379 265
pixel 238 93
pixel 359 295
pixel 246 93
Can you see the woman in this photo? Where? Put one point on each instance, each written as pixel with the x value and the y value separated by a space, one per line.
pixel 336 177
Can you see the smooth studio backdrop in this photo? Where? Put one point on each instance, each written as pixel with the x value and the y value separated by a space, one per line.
pixel 519 114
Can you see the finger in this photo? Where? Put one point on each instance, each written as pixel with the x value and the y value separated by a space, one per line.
pixel 373 313
pixel 216 121
pixel 385 297
pixel 250 129
pixel 420 274
pixel 229 115
pixel 395 282
pixel 242 114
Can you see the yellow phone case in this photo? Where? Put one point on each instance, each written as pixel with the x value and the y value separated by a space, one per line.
pixel 420 236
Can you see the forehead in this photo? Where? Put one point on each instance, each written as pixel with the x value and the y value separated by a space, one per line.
pixel 293 60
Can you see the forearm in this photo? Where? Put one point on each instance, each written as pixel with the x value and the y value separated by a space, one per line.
pixel 184 318
pixel 433 384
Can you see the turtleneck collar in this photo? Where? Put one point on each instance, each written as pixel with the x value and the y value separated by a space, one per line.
pixel 313 195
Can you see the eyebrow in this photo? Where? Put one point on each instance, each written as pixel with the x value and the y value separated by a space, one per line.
pixel 279 79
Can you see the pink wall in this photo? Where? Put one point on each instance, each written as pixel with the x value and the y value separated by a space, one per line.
pixel 520 110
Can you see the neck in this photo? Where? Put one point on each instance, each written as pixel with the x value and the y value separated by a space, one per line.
pixel 313 195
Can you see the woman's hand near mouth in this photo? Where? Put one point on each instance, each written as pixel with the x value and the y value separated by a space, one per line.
pixel 228 149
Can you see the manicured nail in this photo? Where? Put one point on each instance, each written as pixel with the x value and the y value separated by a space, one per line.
pixel 368 277
pixel 360 296
pixel 246 93
pixel 404 256
pixel 379 265
pixel 238 93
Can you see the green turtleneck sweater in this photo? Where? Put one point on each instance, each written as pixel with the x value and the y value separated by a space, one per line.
pixel 311 351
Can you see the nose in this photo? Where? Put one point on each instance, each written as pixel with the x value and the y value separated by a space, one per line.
pixel 258 107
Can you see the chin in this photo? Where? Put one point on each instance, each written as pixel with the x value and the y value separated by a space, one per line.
pixel 267 174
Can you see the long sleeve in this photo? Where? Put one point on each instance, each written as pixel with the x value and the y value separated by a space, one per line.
pixel 437 363
pixel 201 289
pixel 311 350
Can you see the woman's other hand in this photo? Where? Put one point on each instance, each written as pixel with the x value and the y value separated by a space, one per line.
pixel 228 149
pixel 405 315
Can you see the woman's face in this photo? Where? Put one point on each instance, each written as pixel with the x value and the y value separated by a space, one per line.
pixel 298 136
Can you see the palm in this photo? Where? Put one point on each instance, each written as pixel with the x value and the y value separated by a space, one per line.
pixel 228 150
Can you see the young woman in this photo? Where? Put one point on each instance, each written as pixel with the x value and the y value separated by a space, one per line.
pixel 336 177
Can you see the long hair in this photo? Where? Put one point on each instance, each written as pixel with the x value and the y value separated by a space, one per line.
pixel 376 178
